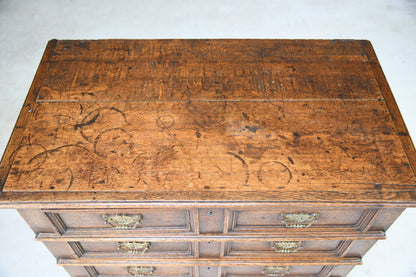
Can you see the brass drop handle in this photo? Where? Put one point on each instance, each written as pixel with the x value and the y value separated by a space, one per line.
pixel 140 271
pixel 123 221
pixel 133 247
pixel 286 246
pixel 299 220
pixel 276 271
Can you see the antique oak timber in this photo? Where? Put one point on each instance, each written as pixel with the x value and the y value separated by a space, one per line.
pixel 209 157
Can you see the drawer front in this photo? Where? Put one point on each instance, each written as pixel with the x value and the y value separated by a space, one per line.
pixel 209 271
pixel 132 220
pixel 278 248
pixel 286 271
pixel 231 250
pixel 269 271
pixel 272 220
pixel 129 271
pixel 122 249
pixel 151 270
pixel 259 220
pixel 138 249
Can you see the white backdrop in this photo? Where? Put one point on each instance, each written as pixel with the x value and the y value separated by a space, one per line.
pixel 26 26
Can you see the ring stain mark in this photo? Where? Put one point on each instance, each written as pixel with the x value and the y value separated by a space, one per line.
pixel 71 179
pixel 89 122
pixel 114 137
pixel 62 179
pixel 90 125
pixel 50 151
pixel 272 172
pixel 37 158
pixel 165 123
pixel 67 171
pixel 238 157
pixel 111 175
pixel 243 162
pixel 139 162
pixel 50 169
pixel 67 145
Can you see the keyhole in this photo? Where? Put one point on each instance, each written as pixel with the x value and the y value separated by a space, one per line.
pixel 211 213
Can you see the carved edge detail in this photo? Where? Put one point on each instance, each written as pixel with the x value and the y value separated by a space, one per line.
pixel 77 248
pixel 91 271
pixel 57 222
pixel 366 219
pixel 326 271
pixel 343 247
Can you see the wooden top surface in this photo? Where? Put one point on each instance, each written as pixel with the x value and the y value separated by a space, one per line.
pixel 281 120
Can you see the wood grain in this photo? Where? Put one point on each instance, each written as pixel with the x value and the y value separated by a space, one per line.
pixel 224 262
pixel 201 146
pixel 392 105
pixel 210 115
pixel 181 70
pixel 288 234
pixel 210 141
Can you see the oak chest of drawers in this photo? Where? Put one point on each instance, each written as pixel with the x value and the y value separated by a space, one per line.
pixel 209 157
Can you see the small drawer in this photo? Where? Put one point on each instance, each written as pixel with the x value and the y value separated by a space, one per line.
pixel 122 249
pixel 268 271
pixel 138 248
pixel 273 220
pixel 277 248
pixel 116 221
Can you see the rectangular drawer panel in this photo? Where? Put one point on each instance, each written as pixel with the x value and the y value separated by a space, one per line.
pixel 137 248
pixel 268 220
pixel 276 248
pixel 239 271
pixel 140 220
pixel 171 271
pixel 121 249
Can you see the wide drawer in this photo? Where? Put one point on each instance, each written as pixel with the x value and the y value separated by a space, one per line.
pixel 130 220
pixel 272 220
pixel 240 220
pixel 210 271
pixel 91 251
